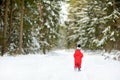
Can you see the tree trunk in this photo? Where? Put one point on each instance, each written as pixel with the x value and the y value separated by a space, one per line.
pixel 44 49
pixel 41 25
pixel 21 27
pixel 5 27
pixel 11 21
pixel 11 13
pixel 41 14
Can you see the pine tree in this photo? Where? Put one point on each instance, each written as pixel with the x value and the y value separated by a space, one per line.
pixel 4 47
pixel 49 25
pixel 75 14
pixel 40 26
pixel 92 25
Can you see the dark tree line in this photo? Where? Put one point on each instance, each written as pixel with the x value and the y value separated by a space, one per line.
pixel 24 21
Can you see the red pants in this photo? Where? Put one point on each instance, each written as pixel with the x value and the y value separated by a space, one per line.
pixel 77 65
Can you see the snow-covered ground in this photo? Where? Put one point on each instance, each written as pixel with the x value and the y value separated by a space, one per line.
pixel 58 65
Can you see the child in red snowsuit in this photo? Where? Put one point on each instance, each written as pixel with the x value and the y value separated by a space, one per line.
pixel 78 58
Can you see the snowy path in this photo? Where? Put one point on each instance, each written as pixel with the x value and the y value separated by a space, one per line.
pixel 57 67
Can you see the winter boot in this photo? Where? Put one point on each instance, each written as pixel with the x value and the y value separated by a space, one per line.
pixel 79 69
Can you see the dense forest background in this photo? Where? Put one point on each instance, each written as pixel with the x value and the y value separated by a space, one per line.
pixel 30 26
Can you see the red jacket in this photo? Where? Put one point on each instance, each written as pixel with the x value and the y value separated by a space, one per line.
pixel 78 57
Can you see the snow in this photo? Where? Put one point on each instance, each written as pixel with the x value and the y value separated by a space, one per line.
pixel 58 65
pixel 35 42
pixel 110 3
pixel 63 12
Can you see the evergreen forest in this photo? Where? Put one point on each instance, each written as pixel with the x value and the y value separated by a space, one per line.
pixel 32 26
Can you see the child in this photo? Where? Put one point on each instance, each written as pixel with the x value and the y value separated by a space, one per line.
pixel 78 58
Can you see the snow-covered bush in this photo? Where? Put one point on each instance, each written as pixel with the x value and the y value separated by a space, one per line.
pixel 114 54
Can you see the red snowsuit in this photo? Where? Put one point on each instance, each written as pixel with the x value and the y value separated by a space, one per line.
pixel 77 58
